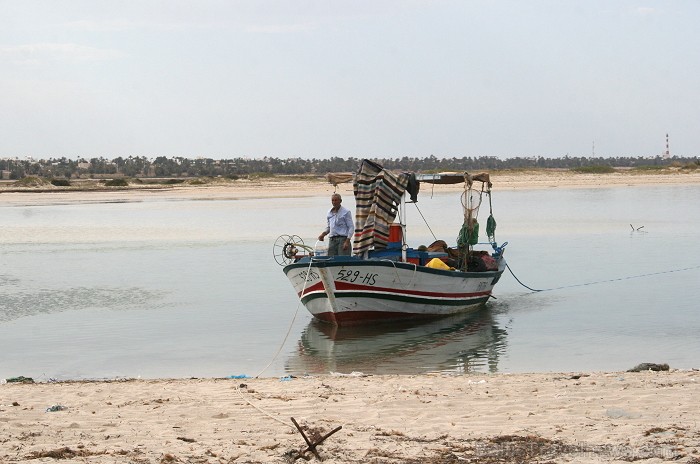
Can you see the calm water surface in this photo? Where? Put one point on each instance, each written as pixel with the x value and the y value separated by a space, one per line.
pixel 189 288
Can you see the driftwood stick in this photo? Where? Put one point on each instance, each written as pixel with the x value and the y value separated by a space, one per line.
pixel 311 446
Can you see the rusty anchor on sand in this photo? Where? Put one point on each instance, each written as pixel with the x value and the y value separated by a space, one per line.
pixel 311 446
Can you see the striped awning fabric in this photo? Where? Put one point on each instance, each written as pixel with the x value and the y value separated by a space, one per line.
pixel 377 196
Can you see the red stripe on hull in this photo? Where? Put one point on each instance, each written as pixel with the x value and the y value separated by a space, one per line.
pixel 314 288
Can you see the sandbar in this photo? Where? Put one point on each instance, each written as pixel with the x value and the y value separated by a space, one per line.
pixel 294 187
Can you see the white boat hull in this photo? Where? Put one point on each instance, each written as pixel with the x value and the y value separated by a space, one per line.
pixel 346 291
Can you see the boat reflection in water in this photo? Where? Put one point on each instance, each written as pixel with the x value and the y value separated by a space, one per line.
pixel 453 344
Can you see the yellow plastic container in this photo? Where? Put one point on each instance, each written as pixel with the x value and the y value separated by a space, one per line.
pixel 437 263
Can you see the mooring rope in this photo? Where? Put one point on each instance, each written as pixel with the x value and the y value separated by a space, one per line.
pixel 261 410
pixel 601 281
pixel 291 324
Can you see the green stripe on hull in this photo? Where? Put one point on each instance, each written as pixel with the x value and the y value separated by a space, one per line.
pixel 403 298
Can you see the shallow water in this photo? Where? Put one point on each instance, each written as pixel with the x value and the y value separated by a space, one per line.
pixel 190 288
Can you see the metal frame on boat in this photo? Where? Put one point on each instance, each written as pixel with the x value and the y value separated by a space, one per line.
pixel 385 279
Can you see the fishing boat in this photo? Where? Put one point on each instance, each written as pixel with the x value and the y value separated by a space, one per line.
pixel 386 279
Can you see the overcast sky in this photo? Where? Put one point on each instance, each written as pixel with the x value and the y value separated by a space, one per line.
pixel 377 78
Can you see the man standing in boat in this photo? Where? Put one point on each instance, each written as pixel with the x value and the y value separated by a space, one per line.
pixel 340 228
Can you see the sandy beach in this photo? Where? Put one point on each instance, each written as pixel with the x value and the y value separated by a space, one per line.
pixel 648 417
pixel 611 417
pixel 292 187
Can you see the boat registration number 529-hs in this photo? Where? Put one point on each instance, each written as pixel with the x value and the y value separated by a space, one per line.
pixel 348 275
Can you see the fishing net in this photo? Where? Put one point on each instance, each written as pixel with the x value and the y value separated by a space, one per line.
pixel 491 227
pixel 472 198
pixel 471 201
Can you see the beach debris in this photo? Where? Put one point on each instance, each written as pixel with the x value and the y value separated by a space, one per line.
pixel 312 445
pixel 352 374
pixel 619 413
pixel 56 407
pixel 62 453
pixel 20 379
pixel 186 440
pixel 239 376
pixel 475 382
pixel 644 367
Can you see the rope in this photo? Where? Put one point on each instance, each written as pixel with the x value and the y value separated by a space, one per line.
pixel 396 272
pixel 279 350
pixel 238 390
pixel 601 281
pixel 516 278
pixel 291 324
pixel 426 222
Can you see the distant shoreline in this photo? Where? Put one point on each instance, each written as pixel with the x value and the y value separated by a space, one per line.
pixel 93 191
